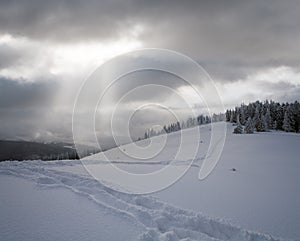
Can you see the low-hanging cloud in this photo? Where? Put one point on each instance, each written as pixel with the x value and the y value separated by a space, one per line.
pixel 27 111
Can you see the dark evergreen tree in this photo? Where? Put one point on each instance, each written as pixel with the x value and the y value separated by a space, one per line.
pixel 287 123
pixel 264 125
pixel 256 119
pixel 268 115
pixel 249 127
pixel 239 128
pixel 268 119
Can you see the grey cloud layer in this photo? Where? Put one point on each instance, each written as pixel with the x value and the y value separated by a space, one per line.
pixel 225 35
pixel 15 94
pixel 63 20
pixel 232 39
pixel 27 111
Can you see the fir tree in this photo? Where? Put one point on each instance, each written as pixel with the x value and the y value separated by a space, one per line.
pixel 249 128
pixel 242 116
pixel 268 115
pixel 286 122
pixel 268 119
pixel 239 128
pixel 275 126
pixel 264 125
pixel 257 120
pixel 231 116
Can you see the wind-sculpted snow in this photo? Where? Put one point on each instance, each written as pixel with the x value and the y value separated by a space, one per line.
pixel 159 220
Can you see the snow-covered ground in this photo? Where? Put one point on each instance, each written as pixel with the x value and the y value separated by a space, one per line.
pixel 59 200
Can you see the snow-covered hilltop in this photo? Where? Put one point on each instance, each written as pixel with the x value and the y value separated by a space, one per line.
pixel 59 200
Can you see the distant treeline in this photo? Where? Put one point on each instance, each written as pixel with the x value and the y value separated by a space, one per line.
pixel 189 123
pixel 256 116
pixel 264 116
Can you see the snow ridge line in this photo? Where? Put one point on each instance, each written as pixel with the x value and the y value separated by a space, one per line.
pixel 160 220
pixel 87 161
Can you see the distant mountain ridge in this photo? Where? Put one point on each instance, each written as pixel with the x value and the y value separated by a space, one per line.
pixel 27 150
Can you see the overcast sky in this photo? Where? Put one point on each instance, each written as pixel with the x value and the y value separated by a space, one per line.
pixel 47 48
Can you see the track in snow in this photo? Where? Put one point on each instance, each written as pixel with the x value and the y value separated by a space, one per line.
pixel 159 220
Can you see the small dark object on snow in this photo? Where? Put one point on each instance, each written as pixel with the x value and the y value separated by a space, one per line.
pixel 233 169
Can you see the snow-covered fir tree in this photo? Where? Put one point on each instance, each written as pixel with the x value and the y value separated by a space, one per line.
pixel 239 128
pixel 286 122
pixel 249 127
pixel 268 119
pixel 264 125
pixel 268 115
pixel 259 116
pixel 242 115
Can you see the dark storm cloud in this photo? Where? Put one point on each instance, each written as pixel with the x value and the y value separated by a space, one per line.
pixel 64 20
pixel 225 35
pixel 229 38
pixel 12 55
pixel 8 56
pixel 285 92
pixel 17 94
pixel 27 111
pixel 150 85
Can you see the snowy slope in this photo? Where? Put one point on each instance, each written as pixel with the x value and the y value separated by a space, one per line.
pixel 39 213
pixel 262 195
pixel 156 219
pixel 62 202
